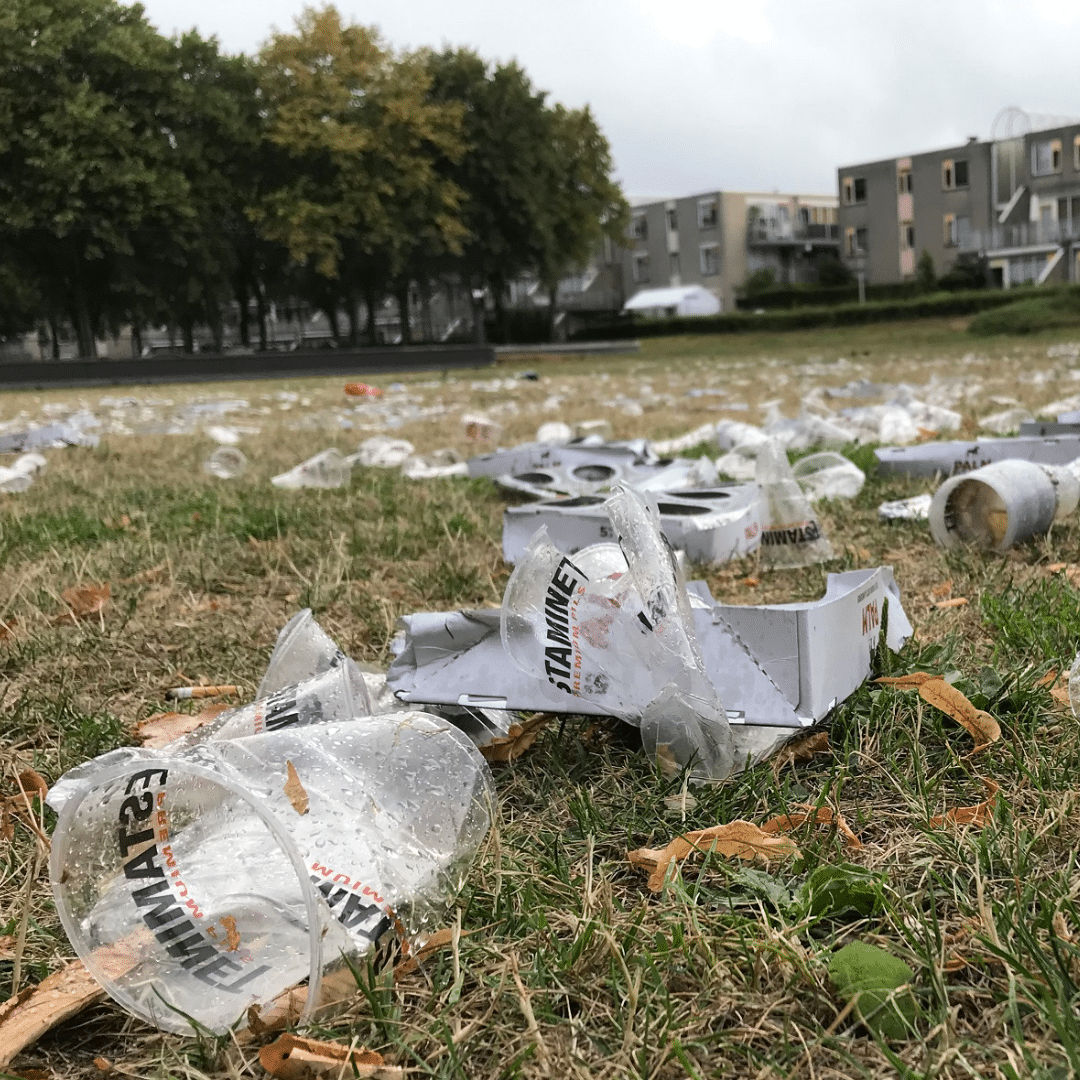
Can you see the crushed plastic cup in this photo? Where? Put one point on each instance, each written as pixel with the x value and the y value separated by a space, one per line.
pixel 1074 687
pixel 303 649
pixel 226 463
pixel 30 464
pixel 327 469
pixel 1003 503
pixel 624 640
pixel 554 433
pixel 584 428
pixel 829 475
pixel 12 481
pixel 480 428
pixel 382 452
pixel 790 531
pixel 917 508
pixel 197 885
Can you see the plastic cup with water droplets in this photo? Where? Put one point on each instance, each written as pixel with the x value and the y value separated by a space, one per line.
pixel 195 885
pixel 226 463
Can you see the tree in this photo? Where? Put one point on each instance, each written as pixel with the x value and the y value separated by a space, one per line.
pixel 582 204
pixel 87 170
pixel 831 272
pixel 925 274
pixel 361 139
pixel 760 281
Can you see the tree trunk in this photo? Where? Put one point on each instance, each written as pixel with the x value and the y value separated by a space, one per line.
pixel 240 292
pixel 501 320
pixel 553 311
pixel 331 313
pixel 427 328
pixel 136 340
pixel 352 316
pixel 54 333
pixel 187 328
pixel 372 330
pixel 260 314
pixel 478 313
pixel 402 297
pixel 84 329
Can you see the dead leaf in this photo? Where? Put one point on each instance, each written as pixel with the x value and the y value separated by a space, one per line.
pixel 7 628
pixel 954 963
pixel 942 591
pixel 1048 679
pixel 33 1074
pixel 802 749
pixel 934 689
pixel 737 839
pixel 294 790
pixel 955 602
pixel 146 577
pixel 232 935
pixel 518 739
pixel 35 1010
pixel 977 815
pixel 1054 567
pixel 1061 695
pixel 817 815
pixel 436 941
pixel 162 728
pixel 82 602
pixel 292 1058
pixel 18 807
pixel 7 947
pixel 102 1064
pixel 751 582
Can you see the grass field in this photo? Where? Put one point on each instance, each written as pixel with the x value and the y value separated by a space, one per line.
pixel 567 964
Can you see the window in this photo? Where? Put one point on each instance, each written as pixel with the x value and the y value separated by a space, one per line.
pixel 804 215
pixel 903 181
pixel 947 180
pixel 673 266
pixel 862 245
pixel 1046 157
pixel 963 232
pixel 641 269
pixel 1076 152
pixel 849 189
pixel 710 260
pixel 961 174
pixel 673 220
pixel 849 243
pixel 907 236
pixel 640 227
pixel 860 189
pixel 855 242
pixel 707 214
pixel 949 230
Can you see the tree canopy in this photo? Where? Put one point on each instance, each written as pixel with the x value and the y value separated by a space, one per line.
pixel 147 180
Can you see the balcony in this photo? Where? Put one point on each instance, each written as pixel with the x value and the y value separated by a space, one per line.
pixel 1028 234
pixel 787 232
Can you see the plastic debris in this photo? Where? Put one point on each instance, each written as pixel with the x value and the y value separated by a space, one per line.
pixel 1006 421
pixel 1074 687
pixel 1002 503
pixel 627 642
pixel 480 428
pixel 303 649
pixel 12 481
pixel 704 434
pixel 197 884
pixel 224 436
pixel 327 469
pixel 917 508
pixel 602 429
pixel 711 524
pixel 382 452
pixel 359 389
pixel 226 463
pixel 64 433
pixel 554 433
pixel 790 531
pixel 829 475
pixel 30 464
pixel 953 458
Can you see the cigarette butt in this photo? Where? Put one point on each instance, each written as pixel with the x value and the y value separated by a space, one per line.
pixel 182 693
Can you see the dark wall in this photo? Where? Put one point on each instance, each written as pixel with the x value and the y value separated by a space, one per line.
pixel 204 367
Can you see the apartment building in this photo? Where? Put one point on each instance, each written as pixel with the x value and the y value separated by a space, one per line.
pixel 1014 201
pixel 718 238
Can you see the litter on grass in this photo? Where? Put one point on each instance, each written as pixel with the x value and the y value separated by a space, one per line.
pixel 328 469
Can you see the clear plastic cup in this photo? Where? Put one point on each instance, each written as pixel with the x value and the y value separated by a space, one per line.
pixel 303 649
pixel 198 884
pixel 226 463
pixel 327 469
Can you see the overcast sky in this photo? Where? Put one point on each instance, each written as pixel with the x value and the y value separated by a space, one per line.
pixel 754 95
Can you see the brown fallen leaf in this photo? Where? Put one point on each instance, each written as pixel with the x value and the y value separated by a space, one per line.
pixel 232 935
pixel 162 728
pixel 1054 567
pixel 935 690
pixel 518 739
pixel 1061 694
pixel 146 577
pixel 942 591
pixel 751 582
pixel 817 815
pixel 294 790
pixel 1048 679
pixel 292 1058
pixel 33 1074
pixel 35 1010
pixel 102 1064
pixel 7 627
pixel 977 815
pixel 801 750
pixel 737 839
pixel 434 942
pixel 19 807
pixel 82 602
pixel 955 602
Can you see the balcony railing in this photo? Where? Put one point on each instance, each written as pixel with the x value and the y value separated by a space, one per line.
pixel 1026 234
pixel 787 232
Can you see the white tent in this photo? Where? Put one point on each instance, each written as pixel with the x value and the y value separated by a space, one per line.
pixel 676 300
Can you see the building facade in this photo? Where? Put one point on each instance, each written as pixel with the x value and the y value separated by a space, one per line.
pixel 718 238
pixel 1014 202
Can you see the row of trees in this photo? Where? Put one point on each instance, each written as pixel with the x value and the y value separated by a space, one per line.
pixel 146 180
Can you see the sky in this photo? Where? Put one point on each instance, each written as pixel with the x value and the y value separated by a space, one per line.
pixel 734 95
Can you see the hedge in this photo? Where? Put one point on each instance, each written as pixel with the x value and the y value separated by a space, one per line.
pixel 931 306
pixel 793 296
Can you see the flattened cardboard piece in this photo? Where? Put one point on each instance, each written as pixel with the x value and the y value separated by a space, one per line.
pixel 818 653
pixel 1051 427
pixel 712 525
pixel 603 472
pixel 953 458
pixel 780 666
pixel 535 456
